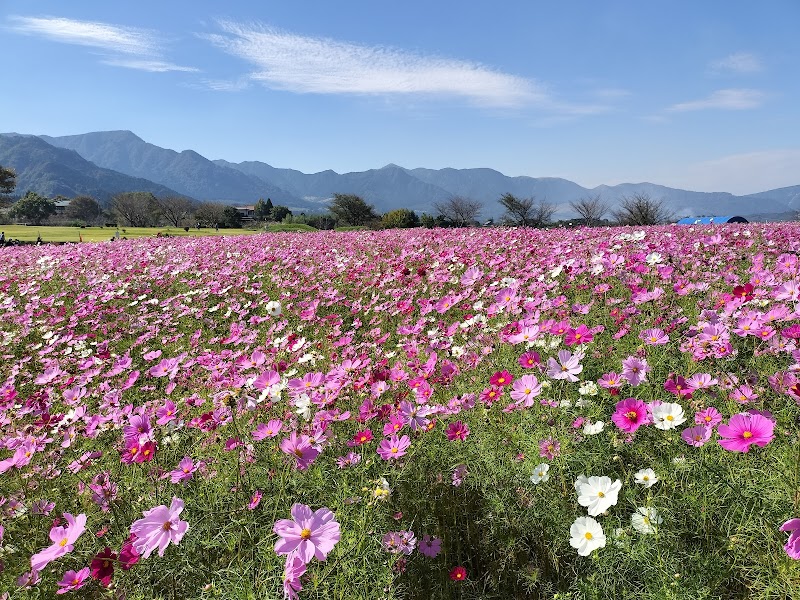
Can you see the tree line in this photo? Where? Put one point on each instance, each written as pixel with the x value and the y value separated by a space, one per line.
pixel 143 209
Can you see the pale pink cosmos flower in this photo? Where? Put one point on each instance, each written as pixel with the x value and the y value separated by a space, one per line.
pixel 184 472
pixel 269 430
pixel 394 447
pixel 708 416
pixel 697 435
pixel 293 570
pixel 300 447
pixel 654 337
pixel 567 366
pixel 635 370
pixel 525 389
pixel 159 527
pixel 63 539
pixel 307 534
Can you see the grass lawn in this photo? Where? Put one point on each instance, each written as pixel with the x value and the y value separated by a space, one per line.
pixel 29 233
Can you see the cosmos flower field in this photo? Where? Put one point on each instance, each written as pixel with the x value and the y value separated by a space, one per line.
pixel 493 413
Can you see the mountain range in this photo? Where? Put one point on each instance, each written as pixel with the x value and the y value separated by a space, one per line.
pixel 108 162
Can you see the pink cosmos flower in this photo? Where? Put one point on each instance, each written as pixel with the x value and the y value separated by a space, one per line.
pixel 635 370
pixel 458 475
pixel 269 430
pixel 350 459
pixel 581 335
pixel 678 385
pixel 697 435
pixel 530 360
pixel 611 382
pixel 549 448
pixel 630 414
pixel 308 534
pixel 293 570
pixel 742 431
pixel 430 547
pixel 63 539
pixel 184 472
pixel 708 416
pixel 73 580
pixel 457 431
pixel 299 446
pixel 255 500
pixel 525 389
pixel 128 555
pixel 501 378
pixel 654 337
pixel 792 545
pixel 394 447
pixel 567 366
pixel 159 527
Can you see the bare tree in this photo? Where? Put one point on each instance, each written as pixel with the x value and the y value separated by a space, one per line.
pixel 641 209
pixel 591 209
pixel 175 209
pixel 136 209
pixel 459 210
pixel 526 212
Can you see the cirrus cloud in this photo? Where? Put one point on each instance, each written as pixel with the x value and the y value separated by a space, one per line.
pixel 129 47
pixel 317 65
pixel 730 99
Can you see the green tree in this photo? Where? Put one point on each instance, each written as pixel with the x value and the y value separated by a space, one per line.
pixel 279 213
pixel 231 218
pixel 8 181
pixel 401 218
pixel 263 210
pixel 83 208
pixel 33 207
pixel 352 210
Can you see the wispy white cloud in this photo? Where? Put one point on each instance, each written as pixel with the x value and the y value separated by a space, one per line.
pixel 222 85
pixel 740 62
pixel 731 99
pixel 128 47
pixel 316 65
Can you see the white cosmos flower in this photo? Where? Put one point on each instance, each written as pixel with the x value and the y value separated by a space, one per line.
pixel 646 477
pixel 580 481
pixel 540 473
pixel 302 405
pixel 586 535
pixel 668 415
pixel 645 519
pixel 593 428
pixel 273 308
pixel 588 388
pixel 598 494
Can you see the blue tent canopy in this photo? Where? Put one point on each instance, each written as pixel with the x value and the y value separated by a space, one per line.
pixel 711 220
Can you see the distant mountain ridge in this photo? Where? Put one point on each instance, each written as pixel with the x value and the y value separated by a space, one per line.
pixel 389 187
pixel 55 171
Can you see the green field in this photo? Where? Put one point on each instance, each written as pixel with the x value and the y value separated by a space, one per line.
pixel 29 233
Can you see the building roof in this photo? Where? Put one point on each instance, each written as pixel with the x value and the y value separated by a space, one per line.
pixel 711 220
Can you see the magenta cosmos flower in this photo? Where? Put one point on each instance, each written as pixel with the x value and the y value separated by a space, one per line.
pixel 307 534
pixel 394 447
pixel 457 431
pixel 63 539
pixel 300 447
pixel 792 545
pixel 158 528
pixel 742 431
pixel 630 414
pixel 73 580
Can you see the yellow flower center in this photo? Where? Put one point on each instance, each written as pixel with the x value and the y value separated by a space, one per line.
pixel 670 418
pixel 63 542
pixel 395 450
pixel 588 535
pixel 747 435
pixel 167 525
pixel 305 534
pixel 601 495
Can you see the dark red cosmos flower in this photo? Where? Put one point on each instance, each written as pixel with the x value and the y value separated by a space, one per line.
pixel 103 566
pixel 744 291
pixel 458 574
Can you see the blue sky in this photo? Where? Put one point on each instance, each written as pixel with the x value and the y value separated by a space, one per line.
pixel 698 95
